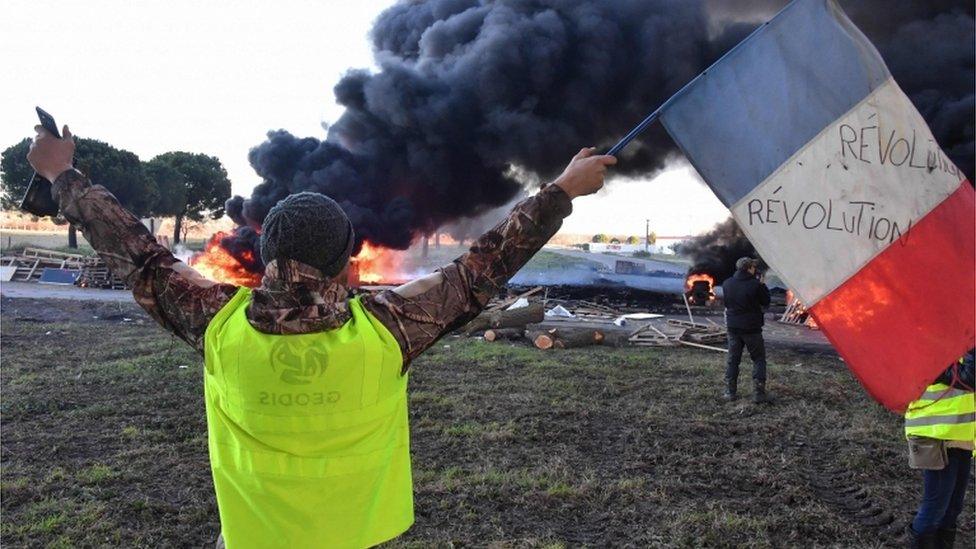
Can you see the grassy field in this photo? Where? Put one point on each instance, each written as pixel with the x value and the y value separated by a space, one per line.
pixel 104 444
pixel 547 261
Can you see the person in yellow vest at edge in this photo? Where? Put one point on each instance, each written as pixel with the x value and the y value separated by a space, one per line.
pixel 941 430
pixel 305 389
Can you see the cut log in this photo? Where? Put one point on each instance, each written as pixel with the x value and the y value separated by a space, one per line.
pixel 508 334
pixel 515 318
pixel 543 340
pixel 567 338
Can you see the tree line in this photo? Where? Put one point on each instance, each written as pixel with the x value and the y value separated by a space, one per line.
pixel 183 185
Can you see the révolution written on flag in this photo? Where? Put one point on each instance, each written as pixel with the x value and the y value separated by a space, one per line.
pixel 838 182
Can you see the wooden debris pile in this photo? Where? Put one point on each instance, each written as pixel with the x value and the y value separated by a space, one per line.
pixel 32 261
pixel 682 332
pixel 92 271
pixel 95 274
pixel 590 324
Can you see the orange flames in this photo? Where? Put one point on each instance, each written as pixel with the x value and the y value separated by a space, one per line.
pixel 695 297
pixel 215 263
pixel 697 277
pixel 374 265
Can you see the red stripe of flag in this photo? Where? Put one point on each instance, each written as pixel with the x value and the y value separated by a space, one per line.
pixel 909 313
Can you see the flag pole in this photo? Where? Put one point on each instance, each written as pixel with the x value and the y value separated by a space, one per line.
pixel 635 132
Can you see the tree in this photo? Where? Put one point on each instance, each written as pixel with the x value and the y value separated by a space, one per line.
pixel 652 238
pixel 15 173
pixel 206 186
pixel 615 241
pixel 633 240
pixel 119 170
pixel 171 199
pixel 600 238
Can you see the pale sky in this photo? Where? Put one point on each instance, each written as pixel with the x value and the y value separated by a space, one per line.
pixel 214 77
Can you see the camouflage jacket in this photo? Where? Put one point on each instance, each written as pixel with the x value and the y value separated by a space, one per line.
pixel 298 299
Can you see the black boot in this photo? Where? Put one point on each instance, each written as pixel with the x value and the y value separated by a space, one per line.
pixel 759 395
pixel 946 537
pixel 927 541
pixel 730 389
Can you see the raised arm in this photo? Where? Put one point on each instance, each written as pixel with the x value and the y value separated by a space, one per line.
pixel 179 298
pixel 421 312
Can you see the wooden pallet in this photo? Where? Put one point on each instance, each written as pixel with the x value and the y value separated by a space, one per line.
pixel 696 326
pixel 649 336
pixel 795 313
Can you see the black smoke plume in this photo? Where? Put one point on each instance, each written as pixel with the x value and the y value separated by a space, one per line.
pixel 469 93
pixel 715 252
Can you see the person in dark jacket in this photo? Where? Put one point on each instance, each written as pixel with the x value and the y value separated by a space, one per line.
pixel 745 297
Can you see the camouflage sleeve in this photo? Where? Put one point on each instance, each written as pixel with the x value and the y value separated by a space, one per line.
pixel 421 312
pixel 178 297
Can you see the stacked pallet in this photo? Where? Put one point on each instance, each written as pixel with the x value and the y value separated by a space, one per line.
pixel 96 274
pixel 31 262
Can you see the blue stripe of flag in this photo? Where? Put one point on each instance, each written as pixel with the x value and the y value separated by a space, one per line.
pixel 771 95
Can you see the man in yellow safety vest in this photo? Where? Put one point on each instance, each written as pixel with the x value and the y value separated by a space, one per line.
pixel 305 389
pixel 941 427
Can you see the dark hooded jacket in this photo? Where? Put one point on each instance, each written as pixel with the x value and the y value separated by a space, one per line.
pixel 961 375
pixel 745 297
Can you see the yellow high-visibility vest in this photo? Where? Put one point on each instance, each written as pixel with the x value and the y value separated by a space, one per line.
pixel 943 412
pixel 308 436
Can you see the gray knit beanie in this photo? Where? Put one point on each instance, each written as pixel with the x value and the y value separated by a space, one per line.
pixel 744 263
pixel 310 228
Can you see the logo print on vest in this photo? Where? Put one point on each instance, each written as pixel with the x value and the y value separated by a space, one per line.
pixel 297 364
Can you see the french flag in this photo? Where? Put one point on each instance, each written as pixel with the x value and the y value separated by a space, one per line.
pixel 838 182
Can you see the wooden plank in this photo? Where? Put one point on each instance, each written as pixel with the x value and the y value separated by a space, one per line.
pixel 34 268
pixel 700 346
pixel 688 307
pixel 662 334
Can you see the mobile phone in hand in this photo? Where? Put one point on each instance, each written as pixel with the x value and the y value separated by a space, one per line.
pixel 48 122
pixel 38 199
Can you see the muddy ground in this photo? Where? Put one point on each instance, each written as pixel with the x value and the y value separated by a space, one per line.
pixel 104 444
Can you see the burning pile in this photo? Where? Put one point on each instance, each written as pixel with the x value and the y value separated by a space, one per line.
pixel 372 265
pixel 698 288
pixel 216 263
pixel 376 265
pixel 796 312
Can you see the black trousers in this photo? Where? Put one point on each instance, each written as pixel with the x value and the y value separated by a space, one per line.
pixel 757 351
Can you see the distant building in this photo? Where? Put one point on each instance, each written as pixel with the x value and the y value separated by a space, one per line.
pixel 667 243
pixel 663 245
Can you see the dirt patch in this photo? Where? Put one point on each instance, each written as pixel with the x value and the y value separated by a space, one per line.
pixel 104 444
